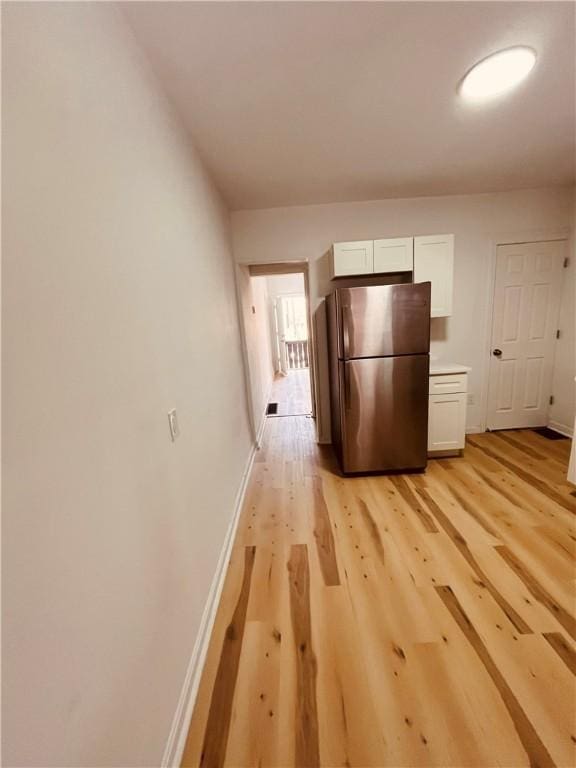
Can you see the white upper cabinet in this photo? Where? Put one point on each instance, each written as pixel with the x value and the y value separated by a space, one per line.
pixel 354 258
pixel 429 258
pixel 395 254
pixel 434 262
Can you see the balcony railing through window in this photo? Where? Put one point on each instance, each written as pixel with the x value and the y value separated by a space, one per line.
pixel 297 354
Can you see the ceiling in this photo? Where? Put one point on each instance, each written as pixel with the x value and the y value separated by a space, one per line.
pixel 305 102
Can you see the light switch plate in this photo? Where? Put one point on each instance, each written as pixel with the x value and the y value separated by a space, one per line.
pixel 173 424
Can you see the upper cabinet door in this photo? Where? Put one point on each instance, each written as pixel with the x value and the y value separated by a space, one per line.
pixel 394 254
pixel 355 258
pixel 434 261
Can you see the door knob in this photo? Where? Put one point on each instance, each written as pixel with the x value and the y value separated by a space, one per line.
pixel 497 352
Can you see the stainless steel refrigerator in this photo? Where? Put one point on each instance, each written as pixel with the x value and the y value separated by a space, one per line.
pixel 379 343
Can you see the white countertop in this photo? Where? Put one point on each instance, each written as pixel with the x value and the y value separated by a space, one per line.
pixel 438 369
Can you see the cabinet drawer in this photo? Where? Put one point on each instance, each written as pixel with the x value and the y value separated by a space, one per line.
pixel 448 383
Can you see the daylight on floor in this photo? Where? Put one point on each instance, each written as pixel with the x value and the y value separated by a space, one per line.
pixel 289 384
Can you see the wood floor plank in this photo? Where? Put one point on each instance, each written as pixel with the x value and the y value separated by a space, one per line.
pixel 461 504
pixel 558 611
pixel 523 447
pixel 254 729
pixel 537 753
pixel 324 537
pixel 306 720
pixel 385 621
pixel 522 497
pixel 471 508
pixel 557 448
pixel 563 649
pixel 546 468
pixel 403 532
pixel 372 528
pixel 228 601
pixel 462 546
pixel 496 499
pixel 541 485
pixel 218 725
pixel 350 733
pixel 405 491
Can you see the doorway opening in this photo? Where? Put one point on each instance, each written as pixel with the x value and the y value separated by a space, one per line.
pixel 278 341
pixel 291 389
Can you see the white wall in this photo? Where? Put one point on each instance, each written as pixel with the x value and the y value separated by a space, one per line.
pixel 254 304
pixel 478 221
pixel 280 285
pixel 119 304
pixel 563 410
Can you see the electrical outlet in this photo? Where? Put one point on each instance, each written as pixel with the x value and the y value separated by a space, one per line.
pixel 470 399
pixel 173 424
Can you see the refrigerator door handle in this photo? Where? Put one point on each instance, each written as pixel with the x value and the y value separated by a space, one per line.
pixel 346 388
pixel 345 334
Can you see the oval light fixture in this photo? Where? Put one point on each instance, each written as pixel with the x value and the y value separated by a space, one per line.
pixel 498 73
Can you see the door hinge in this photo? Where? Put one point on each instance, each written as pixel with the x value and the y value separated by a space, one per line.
pixel 551 401
pixel 566 262
pixel 558 333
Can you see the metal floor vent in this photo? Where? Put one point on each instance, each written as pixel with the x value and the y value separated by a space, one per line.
pixel 272 409
pixel 548 433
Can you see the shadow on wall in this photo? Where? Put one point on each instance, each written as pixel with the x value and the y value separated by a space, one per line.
pixel 439 329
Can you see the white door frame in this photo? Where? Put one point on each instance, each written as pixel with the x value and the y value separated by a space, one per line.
pixel 514 238
pixel 277 304
pixel 268 269
pixel 280 365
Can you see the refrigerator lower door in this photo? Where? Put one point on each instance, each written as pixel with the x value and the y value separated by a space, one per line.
pixel 385 413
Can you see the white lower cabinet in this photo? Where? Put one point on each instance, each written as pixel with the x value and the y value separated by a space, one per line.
pixel 447 413
pixel 446 422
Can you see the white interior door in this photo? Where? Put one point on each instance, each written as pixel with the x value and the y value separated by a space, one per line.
pixel 526 303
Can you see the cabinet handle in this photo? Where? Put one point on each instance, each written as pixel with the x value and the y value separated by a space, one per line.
pixel 497 352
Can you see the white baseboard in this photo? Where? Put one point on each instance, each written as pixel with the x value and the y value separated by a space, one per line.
pixel 474 430
pixel 183 715
pixel 260 430
pixel 562 428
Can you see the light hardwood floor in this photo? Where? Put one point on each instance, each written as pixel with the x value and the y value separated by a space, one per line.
pixel 416 620
pixel 292 393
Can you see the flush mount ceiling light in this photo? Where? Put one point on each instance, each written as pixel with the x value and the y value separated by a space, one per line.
pixel 498 73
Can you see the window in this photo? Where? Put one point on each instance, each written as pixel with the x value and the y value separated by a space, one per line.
pixel 294 318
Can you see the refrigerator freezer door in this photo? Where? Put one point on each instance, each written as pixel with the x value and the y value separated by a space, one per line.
pixel 383 320
pixel 385 413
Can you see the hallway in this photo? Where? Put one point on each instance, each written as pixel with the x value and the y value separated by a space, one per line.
pixel 416 620
pixel 292 393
